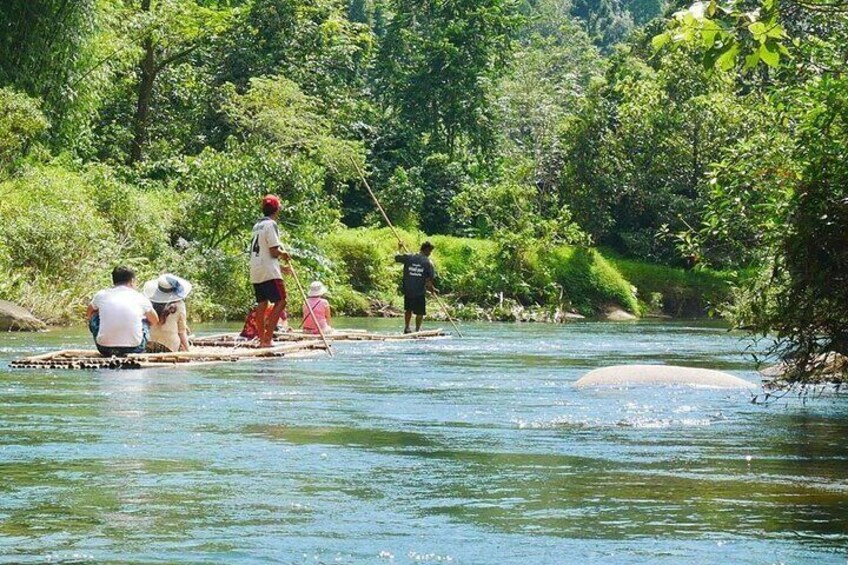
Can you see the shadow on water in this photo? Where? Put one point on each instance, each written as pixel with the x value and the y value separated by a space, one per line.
pixel 340 436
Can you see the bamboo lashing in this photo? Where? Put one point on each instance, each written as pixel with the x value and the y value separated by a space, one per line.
pixel 397 235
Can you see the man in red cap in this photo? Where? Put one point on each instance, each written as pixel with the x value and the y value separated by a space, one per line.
pixel 265 271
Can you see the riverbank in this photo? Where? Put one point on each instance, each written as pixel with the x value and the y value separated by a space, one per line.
pixel 505 281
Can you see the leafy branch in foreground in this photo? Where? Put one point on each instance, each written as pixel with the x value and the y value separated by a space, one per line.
pixel 728 31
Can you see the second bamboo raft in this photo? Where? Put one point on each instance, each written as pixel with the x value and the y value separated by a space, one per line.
pixel 234 340
pixel 201 355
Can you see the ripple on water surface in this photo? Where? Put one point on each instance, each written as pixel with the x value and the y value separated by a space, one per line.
pixel 470 451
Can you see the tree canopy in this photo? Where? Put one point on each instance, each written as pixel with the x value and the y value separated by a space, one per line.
pixel 707 136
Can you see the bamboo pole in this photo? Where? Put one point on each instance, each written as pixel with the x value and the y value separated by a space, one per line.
pixel 397 235
pixel 309 307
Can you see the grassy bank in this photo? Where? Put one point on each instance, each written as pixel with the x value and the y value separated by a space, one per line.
pixel 63 231
pixel 498 279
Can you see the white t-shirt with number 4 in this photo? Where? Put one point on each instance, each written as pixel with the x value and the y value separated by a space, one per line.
pixel 263 266
pixel 121 310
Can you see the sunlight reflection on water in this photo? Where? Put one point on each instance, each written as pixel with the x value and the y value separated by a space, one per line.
pixel 468 451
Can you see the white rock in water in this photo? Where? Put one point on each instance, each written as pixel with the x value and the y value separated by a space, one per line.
pixel 660 374
pixel 618 315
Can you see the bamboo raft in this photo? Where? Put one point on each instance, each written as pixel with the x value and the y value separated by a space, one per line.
pixel 90 359
pixel 234 340
pixel 218 348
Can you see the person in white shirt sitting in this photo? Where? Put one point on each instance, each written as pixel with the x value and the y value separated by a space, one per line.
pixel 119 317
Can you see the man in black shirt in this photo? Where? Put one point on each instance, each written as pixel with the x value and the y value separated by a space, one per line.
pixel 418 275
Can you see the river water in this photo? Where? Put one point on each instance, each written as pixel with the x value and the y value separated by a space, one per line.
pixel 474 450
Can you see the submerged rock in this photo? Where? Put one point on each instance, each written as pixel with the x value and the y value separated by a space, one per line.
pixel 627 375
pixel 17 319
pixel 618 315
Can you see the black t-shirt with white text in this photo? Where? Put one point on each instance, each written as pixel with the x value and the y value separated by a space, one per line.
pixel 417 269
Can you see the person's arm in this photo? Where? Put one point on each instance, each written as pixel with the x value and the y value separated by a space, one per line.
pixel 90 312
pixel 430 277
pixel 182 328
pixel 278 253
pixel 282 256
pixel 272 240
pixel 428 284
pixel 151 316
pixel 327 308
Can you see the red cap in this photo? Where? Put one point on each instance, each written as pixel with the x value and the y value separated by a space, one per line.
pixel 271 201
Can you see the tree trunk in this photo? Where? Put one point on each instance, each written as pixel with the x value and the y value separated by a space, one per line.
pixel 145 94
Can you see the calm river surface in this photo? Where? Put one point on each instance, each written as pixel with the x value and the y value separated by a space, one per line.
pixel 475 450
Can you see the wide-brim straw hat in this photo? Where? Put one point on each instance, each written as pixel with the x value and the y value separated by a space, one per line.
pixel 167 288
pixel 316 289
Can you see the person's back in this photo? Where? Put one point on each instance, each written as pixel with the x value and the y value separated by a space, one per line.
pixel 417 269
pixel 263 265
pixel 418 275
pixel 321 310
pixel 172 323
pixel 121 311
pixel 117 315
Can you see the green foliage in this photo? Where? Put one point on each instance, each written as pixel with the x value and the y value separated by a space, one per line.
pixel 606 21
pixel 677 292
pixel 63 231
pixel 402 197
pixel 361 260
pixel 443 179
pixel 276 112
pixel 438 61
pixel 588 281
pixel 510 207
pixel 44 48
pixel 224 190
pixel 21 122
pixel 748 196
pixel 311 42
pixel 804 299
pixel 638 153
pixel 729 33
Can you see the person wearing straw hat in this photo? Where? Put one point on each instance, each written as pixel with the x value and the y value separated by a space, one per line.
pixel 319 317
pixel 168 293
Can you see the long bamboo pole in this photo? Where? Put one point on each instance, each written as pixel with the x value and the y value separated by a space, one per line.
pixel 397 235
pixel 309 307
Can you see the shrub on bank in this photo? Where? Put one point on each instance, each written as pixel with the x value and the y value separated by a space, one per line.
pixel 589 281
pixel 675 291
pixel 62 231
pixel 485 272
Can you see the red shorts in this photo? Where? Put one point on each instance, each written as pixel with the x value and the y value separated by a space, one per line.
pixel 270 291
